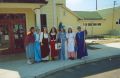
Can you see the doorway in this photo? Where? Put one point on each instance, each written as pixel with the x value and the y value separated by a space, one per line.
pixel 12 33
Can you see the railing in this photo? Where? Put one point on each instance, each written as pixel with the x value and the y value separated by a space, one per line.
pixel 23 1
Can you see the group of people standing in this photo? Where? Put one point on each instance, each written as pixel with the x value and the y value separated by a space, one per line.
pixel 62 45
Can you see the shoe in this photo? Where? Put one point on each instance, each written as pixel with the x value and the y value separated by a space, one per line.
pixel 29 62
pixel 72 58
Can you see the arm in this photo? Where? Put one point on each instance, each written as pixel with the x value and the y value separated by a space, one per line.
pixel 57 37
pixel 76 39
pixel 41 36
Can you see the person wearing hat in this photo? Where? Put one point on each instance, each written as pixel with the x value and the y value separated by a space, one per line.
pixel 62 39
pixel 80 43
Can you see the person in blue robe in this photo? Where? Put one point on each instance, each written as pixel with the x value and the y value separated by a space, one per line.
pixel 80 43
pixel 62 39
pixel 37 46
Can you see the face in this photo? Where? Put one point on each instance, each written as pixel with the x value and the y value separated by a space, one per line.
pixel 53 29
pixel 45 29
pixel 69 30
pixel 33 30
pixel 62 30
pixel 79 29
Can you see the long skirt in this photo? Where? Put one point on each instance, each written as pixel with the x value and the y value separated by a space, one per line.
pixel 66 50
pixel 53 51
pixel 45 49
pixel 71 49
pixel 81 49
pixel 62 53
pixel 30 51
pixel 37 52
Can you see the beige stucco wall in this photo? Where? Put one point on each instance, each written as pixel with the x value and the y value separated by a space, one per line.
pixel 63 15
pixel 106 23
pixel 67 18
pixel 30 18
pixel 108 15
pixel 93 30
pixel 48 10
pixel 26 8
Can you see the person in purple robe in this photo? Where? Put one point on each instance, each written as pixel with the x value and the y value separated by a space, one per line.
pixel 80 44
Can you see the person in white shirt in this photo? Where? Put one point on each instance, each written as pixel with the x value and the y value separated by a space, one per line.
pixel 71 44
pixel 45 44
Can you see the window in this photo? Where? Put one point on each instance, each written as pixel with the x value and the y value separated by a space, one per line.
pixel 43 18
pixel 89 24
pixel 85 24
pixel 117 22
pixel 94 24
pixel 99 24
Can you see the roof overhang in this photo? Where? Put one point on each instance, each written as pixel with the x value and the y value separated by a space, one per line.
pixel 24 1
pixel 63 6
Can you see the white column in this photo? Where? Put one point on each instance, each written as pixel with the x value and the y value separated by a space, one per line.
pixel 38 20
pixel 54 13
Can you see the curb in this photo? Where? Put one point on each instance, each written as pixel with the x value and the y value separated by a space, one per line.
pixel 85 61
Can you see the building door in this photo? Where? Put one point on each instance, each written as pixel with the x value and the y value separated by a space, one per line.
pixel 43 20
pixel 5 36
pixel 12 27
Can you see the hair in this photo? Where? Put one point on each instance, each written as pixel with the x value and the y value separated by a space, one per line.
pixel 70 29
pixel 55 30
pixel 31 29
pixel 46 29
pixel 78 27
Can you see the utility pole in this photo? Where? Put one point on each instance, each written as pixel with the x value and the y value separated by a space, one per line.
pixel 96 5
pixel 114 3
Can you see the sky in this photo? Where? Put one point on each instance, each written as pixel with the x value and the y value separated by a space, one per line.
pixel 90 5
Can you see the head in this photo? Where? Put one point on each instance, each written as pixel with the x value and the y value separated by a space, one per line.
pixel 62 30
pixel 38 30
pixel 53 30
pixel 79 28
pixel 69 30
pixel 32 29
pixel 45 30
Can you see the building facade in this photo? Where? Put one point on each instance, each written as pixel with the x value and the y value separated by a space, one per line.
pixel 16 17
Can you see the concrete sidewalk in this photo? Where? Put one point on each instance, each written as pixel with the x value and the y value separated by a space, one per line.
pixel 19 68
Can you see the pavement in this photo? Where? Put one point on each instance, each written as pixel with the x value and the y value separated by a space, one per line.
pixel 101 69
pixel 20 69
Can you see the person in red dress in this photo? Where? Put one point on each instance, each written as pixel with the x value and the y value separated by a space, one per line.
pixel 45 44
pixel 53 50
